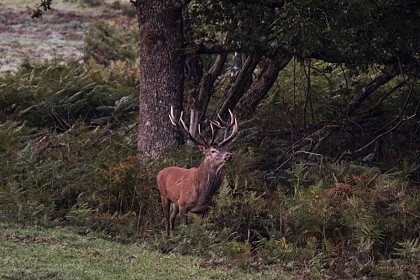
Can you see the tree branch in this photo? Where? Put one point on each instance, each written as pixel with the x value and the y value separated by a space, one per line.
pixel 366 91
pixel 402 119
pixel 239 86
pixel 261 86
pixel 194 49
pixel 388 94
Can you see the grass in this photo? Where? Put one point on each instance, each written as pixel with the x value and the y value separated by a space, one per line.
pixel 61 253
pixel 68 5
pixel 57 35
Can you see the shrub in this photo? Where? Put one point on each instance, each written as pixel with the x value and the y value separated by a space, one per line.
pixel 56 169
pixel 108 42
pixel 56 96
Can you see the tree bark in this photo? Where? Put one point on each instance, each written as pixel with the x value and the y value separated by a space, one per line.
pixel 161 74
pixel 193 80
pixel 239 86
pixel 201 100
pixel 366 91
pixel 260 87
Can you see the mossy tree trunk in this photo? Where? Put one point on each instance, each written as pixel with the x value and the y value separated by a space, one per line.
pixel 161 74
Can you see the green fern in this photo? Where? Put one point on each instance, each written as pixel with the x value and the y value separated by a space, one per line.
pixel 409 249
pixel 360 217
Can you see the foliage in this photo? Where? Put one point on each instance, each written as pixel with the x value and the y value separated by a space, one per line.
pixel 369 40
pixel 329 211
pixel 316 212
pixel 43 6
pixel 108 42
pixel 320 213
pixel 347 210
pixel 56 96
pixel 360 34
pixel 68 142
pixel 409 249
pixel 307 111
pixel 245 24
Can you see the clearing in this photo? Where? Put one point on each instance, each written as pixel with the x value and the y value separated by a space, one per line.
pixel 57 35
pixel 30 252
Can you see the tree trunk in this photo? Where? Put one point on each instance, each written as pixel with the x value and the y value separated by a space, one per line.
pixel 161 75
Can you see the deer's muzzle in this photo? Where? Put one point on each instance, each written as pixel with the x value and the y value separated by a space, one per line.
pixel 227 156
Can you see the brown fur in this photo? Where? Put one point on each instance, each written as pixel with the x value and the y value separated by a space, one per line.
pixel 191 190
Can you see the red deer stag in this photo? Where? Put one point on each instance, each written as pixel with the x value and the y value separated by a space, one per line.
pixel 191 190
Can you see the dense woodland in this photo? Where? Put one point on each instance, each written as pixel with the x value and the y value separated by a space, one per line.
pixel 325 178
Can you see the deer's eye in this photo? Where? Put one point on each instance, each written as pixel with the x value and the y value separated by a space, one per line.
pixel 213 151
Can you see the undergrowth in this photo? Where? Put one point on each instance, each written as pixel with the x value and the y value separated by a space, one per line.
pixel 68 157
pixel 348 219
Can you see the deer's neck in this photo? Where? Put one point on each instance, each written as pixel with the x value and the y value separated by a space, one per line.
pixel 208 179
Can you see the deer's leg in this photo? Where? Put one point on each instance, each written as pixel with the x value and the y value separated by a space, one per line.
pixel 183 214
pixel 174 212
pixel 201 215
pixel 166 205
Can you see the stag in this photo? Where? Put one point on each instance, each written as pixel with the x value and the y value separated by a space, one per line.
pixel 191 190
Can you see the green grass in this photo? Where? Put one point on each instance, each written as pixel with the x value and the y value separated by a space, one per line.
pixel 61 253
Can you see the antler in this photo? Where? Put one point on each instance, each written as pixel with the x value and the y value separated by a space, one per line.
pixel 180 124
pixel 231 129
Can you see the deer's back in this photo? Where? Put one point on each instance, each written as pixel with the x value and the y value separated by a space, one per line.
pixel 174 182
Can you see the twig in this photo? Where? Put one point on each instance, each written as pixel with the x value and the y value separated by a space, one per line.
pixel 386 95
pixel 385 133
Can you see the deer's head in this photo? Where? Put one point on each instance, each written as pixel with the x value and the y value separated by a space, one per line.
pixel 215 154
